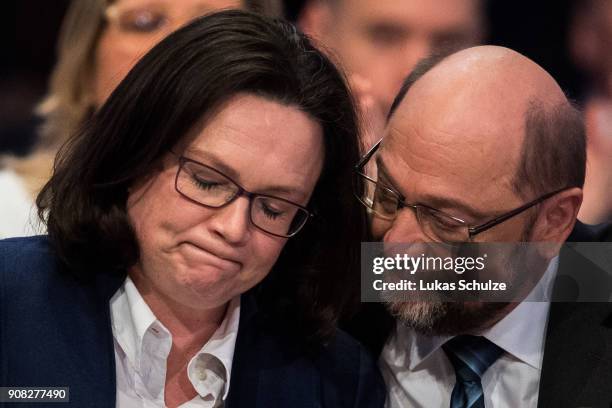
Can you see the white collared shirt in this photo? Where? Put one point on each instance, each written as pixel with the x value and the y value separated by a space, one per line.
pixel 142 345
pixel 18 217
pixel 418 373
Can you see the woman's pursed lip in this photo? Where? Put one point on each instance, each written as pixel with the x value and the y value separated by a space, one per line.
pixel 211 251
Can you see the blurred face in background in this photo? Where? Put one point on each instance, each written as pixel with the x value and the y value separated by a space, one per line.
pixel 134 27
pixel 591 43
pixel 380 41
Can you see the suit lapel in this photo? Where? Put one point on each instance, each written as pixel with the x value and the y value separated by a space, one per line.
pixel 245 365
pixel 577 365
pixel 106 286
pixel 265 371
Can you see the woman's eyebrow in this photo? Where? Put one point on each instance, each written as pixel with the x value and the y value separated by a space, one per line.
pixel 294 193
pixel 210 159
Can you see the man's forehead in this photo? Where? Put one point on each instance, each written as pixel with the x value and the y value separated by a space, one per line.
pixel 445 148
pixel 436 147
pixel 457 119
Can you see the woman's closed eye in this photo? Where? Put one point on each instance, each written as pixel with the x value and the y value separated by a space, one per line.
pixel 206 184
pixel 272 214
pixel 272 210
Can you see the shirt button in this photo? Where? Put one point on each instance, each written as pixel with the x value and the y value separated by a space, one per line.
pixel 202 374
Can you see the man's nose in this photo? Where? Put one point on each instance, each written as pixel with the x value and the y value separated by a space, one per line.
pixel 405 228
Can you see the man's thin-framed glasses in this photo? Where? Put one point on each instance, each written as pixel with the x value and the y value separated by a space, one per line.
pixel 385 203
pixel 211 188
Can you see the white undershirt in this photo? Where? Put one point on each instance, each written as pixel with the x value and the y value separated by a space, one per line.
pixel 142 345
pixel 418 373
pixel 18 216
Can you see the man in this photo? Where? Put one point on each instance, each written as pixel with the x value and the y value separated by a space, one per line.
pixel 380 42
pixel 477 135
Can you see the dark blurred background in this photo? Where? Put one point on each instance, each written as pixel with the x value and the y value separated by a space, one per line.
pixel 29 33
pixel 30 29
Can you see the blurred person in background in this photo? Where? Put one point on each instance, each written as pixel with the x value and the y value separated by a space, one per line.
pixel 379 42
pixel 591 48
pixel 100 41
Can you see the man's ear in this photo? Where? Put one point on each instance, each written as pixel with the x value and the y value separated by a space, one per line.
pixel 557 216
pixel 315 19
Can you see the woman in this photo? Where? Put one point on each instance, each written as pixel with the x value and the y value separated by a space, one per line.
pixel 202 230
pixel 100 42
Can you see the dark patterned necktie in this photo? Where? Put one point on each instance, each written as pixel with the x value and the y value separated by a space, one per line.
pixel 471 356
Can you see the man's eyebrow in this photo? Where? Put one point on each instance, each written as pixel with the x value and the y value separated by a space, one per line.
pixel 212 160
pixel 383 174
pixel 451 206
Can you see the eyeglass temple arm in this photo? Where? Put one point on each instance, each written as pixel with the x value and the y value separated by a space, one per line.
pixel 498 220
pixel 368 155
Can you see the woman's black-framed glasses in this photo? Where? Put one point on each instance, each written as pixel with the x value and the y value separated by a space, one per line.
pixel 211 188
pixel 385 203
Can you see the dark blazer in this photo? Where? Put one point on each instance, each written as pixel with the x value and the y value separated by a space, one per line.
pixel 55 331
pixel 577 363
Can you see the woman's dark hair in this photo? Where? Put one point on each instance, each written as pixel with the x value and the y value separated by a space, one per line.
pixel 174 86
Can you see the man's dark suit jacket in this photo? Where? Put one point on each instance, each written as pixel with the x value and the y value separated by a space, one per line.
pixel 56 331
pixel 577 364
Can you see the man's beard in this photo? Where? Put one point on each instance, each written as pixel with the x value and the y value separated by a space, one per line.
pixel 437 316
pixel 447 318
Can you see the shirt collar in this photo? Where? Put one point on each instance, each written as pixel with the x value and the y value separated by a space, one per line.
pixel 520 333
pixel 222 344
pixel 132 319
pixel 407 348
